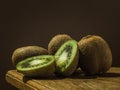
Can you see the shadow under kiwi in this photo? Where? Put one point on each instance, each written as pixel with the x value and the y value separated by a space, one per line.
pixel 109 74
pixel 78 74
pixel 54 77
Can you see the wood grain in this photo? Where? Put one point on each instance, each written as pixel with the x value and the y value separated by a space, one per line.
pixel 108 81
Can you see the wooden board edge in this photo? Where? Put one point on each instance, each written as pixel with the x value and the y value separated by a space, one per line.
pixel 16 82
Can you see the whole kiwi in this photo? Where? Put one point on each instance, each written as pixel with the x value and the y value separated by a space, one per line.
pixel 96 56
pixel 27 51
pixel 56 42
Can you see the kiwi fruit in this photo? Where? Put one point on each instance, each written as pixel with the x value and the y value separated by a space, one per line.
pixel 96 56
pixel 27 51
pixel 37 66
pixel 56 42
pixel 66 58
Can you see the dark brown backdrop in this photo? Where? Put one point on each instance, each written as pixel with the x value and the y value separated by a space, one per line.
pixel 34 23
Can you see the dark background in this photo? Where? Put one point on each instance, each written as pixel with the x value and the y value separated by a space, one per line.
pixel 36 22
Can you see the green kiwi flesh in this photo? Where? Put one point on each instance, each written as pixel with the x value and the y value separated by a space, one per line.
pixel 37 66
pixel 96 56
pixel 27 51
pixel 56 42
pixel 67 58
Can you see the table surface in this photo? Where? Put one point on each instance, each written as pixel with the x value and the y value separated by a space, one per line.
pixel 108 81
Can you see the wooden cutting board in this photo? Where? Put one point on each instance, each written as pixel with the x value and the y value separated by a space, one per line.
pixel 108 81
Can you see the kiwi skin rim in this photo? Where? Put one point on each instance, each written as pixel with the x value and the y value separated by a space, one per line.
pixel 56 42
pixel 96 56
pixel 27 51
pixel 42 71
pixel 72 65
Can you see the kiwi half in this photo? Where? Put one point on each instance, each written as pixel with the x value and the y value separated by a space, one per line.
pixel 96 56
pixel 27 51
pixel 56 42
pixel 67 58
pixel 37 66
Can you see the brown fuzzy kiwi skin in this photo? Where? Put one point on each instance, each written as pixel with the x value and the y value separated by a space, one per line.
pixel 96 56
pixel 56 42
pixel 27 51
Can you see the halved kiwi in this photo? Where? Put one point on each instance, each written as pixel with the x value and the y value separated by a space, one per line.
pixel 67 58
pixel 96 56
pixel 56 42
pixel 37 66
pixel 27 51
